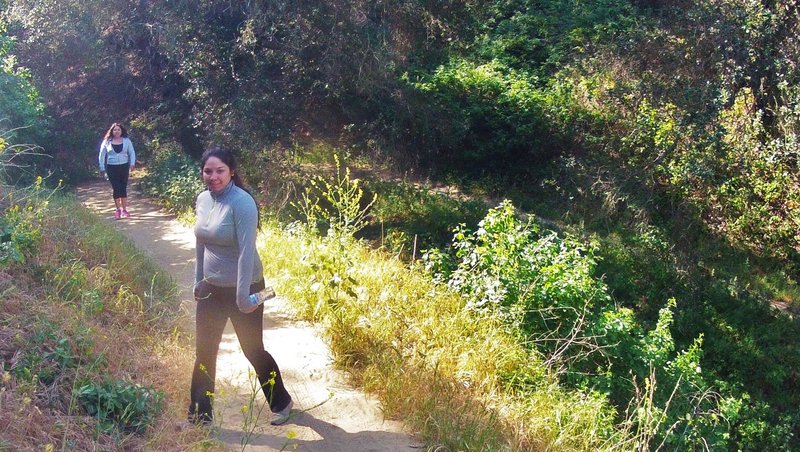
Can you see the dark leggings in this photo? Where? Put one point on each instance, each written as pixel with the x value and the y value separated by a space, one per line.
pixel 118 176
pixel 215 306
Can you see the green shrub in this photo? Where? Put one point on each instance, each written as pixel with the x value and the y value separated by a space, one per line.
pixel 508 268
pixel 20 223
pixel 20 105
pixel 405 215
pixel 116 403
pixel 545 289
pixel 47 356
pixel 336 205
pixel 174 179
pixel 495 117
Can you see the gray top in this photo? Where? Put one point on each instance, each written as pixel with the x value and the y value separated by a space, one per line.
pixel 225 229
pixel 108 156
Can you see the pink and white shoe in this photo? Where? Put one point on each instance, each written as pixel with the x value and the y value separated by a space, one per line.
pixel 117 214
pixel 125 214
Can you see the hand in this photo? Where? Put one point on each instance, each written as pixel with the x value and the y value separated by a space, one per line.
pixel 249 308
pixel 199 293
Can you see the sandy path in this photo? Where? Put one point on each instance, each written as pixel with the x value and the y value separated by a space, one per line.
pixel 349 421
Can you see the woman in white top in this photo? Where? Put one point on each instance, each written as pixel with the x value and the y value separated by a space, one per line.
pixel 117 158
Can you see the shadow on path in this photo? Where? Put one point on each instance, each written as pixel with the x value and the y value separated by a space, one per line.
pixel 321 436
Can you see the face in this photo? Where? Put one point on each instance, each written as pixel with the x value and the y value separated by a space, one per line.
pixel 216 174
pixel 116 132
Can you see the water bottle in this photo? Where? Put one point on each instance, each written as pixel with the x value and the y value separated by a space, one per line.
pixel 262 296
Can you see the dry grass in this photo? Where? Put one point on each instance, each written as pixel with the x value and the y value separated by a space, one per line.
pixel 91 296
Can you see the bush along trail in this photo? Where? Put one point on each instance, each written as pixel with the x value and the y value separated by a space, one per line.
pixel 329 415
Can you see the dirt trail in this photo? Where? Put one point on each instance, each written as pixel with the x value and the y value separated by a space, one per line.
pixel 339 418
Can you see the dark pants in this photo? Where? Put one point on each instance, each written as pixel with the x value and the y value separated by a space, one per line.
pixel 215 306
pixel 118 176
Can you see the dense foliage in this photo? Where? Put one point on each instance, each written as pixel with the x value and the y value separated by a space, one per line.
pixel 19 102
pixel 20 111
pixel 546 290
pixel 661 136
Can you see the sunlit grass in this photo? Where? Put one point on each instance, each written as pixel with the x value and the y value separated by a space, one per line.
pixel 445 370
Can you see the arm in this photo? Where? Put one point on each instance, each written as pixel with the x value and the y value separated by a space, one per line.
pixel 102 156
pixel 200 250
pixel 246 224
pixel 131 154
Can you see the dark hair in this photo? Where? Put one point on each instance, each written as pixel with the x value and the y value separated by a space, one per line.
pixel 227 157
pixel 110 132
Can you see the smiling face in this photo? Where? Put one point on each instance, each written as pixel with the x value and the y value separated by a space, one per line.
pixel 216 174
pixel 116 132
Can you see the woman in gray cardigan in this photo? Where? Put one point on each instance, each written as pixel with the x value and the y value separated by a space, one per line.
pixel 117 158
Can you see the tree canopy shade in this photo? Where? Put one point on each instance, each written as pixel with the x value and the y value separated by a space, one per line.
pixel 247 73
